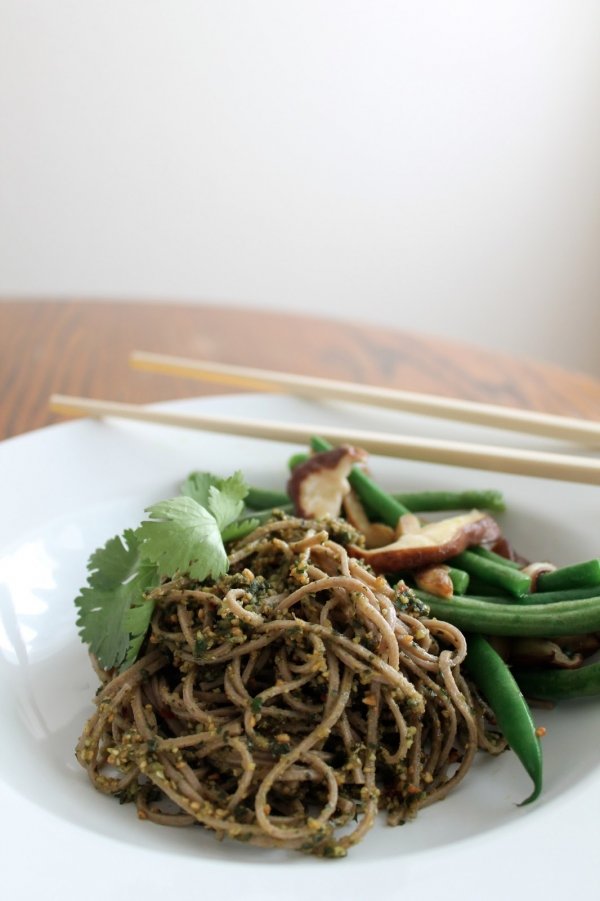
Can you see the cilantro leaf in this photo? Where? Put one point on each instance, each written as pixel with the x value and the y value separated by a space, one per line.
pixel 137 617
pixel 197 486
pixel 226 501
pixel 224 498
pixel 184 537
pixel 113 614
pixel 239 529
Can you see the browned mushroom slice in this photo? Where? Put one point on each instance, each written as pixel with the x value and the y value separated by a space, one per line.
pixel 542 651
pixel 318 486
pixel 502 547
pixel 535 570
pixel 377 534
pixel 436 580
pixel 407 524
pixel 432 543
pixel 586 644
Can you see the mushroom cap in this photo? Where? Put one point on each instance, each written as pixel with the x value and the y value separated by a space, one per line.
pixel 432 543
pixel 318 486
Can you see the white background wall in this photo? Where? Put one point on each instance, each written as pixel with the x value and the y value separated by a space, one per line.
pixel 431 164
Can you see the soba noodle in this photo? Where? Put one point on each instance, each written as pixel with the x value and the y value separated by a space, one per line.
pixel 287 703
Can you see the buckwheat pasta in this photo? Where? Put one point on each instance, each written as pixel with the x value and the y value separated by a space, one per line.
pixel 288 702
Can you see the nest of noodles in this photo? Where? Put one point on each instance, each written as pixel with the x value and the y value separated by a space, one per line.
pixel 288 702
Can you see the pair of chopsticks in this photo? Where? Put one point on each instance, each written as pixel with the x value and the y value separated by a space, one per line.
pixel 478 456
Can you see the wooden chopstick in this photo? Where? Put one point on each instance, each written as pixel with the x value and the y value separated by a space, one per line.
pixel 452 453
pixel 565 428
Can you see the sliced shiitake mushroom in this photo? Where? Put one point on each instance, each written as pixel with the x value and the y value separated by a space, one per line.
pixel 431 543
pixel 535 570
pixel 435 579
pixel 543 651
pixel 318 486
pixel 377 534
pixel 503 547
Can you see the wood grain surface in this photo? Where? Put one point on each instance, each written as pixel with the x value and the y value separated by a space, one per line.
pixel 82 347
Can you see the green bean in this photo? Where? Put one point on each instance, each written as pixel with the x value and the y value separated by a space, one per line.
pixel 388 509
pixel 459 579
pixel 514 581
pixel 545 597
pixel 578 575
pixel 575 617
pixel 495 681
pixel 560 684
pixel 266 499
pixel 568 594
pixel 432 501
pixel 296 459
pixel 480 588
pixel 495 558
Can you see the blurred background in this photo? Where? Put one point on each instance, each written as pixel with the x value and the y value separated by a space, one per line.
pixel 431 165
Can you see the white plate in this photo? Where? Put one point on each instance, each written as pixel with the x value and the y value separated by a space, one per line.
pixel 68 488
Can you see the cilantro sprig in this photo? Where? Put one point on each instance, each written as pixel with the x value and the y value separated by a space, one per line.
pixel 185 535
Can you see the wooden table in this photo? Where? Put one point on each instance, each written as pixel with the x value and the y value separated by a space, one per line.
pixel 81 347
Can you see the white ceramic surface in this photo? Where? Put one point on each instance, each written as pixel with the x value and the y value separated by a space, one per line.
pixel 68 488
